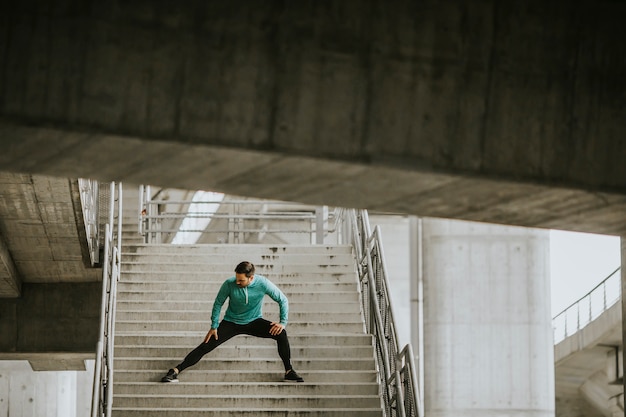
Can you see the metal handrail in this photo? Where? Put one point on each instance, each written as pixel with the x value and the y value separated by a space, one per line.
pixel 102 397
pixel 397 372
pixel 584 310
pixel 240 218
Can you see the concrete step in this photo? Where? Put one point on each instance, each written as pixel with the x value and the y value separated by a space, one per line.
pixel 301 327
pixel 130 231
pixel 207 276
pixel 213 286
pixel 229 260
pixel 294 317
pixel 245 401
pixel 239 412
pixel 187 296
pixel 262 269
pixel 207 305
pixel 131 234
pixel 238 250
pixel 245 376
pixel 165 299
pixel 243 388
pixel 131 241
pixel 229 350
pixel 302 365
pixel 188 340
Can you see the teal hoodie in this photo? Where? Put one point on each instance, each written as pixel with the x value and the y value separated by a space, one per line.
pixel 246 304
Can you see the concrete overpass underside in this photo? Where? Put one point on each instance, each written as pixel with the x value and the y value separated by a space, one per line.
pixel 510 113
pixel 312 181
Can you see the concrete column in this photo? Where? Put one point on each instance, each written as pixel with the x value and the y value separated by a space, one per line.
pixel 488 348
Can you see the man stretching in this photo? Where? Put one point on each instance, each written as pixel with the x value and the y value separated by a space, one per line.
pixel 243 316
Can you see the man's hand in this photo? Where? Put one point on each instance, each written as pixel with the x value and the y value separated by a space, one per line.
pixel 211 333
pixel 276 329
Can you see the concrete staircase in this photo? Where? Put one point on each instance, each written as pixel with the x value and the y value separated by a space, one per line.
pixel 163 311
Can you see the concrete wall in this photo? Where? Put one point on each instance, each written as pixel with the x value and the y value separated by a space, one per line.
pixel 51 318
pixel 488 335
pixel 25 393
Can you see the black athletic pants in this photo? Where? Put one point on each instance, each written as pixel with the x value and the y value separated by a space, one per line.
pixel 227 330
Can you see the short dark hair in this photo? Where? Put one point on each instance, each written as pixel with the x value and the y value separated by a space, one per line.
pixel 245 267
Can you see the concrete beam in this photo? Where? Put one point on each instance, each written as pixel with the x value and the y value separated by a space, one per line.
pixel 177 164
pixel 10 282
pixel 51 361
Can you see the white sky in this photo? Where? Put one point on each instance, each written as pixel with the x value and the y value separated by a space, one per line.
pixel 579 261
pixel 200 221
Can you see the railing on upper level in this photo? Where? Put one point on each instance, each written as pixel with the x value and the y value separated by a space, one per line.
pixel 588 307
pixel 89 198
pixel 102 398
pixel 402 395
pixel 231 220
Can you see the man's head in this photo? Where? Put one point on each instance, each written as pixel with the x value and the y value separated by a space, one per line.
pixel 244 274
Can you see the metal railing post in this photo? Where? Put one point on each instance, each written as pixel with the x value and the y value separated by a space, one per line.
pixel 321 217
pixel 230 237
pixel 119 215
pixel 149 218
pixel 563 315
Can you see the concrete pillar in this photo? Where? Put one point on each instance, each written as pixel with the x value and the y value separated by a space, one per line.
pixel 488 348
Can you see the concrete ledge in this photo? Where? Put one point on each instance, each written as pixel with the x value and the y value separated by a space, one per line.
pixel 51 361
